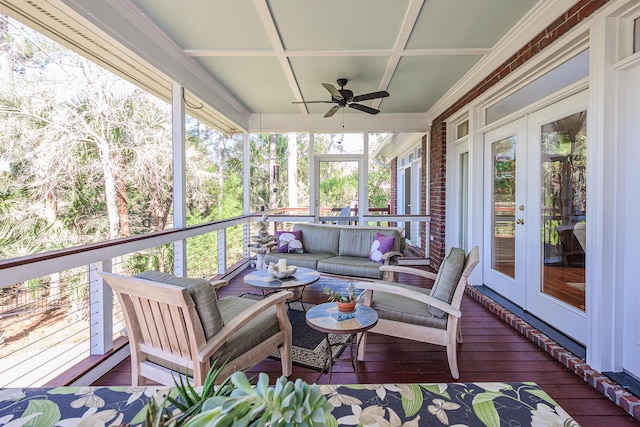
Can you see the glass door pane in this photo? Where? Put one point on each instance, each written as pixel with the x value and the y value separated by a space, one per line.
pixel 504 206
pixel 564 166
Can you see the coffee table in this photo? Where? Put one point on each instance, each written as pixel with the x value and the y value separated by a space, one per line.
pixel 303 277
pixel 327 319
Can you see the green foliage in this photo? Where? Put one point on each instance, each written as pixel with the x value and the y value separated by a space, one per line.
pixel 236 402
pixel 285 404
pixel 347 296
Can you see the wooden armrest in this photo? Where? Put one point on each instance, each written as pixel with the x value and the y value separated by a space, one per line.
pixel 217 284
pixel 241 320
pixel 409 270
pixel 415 295
pixel 388 255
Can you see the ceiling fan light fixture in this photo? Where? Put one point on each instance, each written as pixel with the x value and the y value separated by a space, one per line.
pixel 344 97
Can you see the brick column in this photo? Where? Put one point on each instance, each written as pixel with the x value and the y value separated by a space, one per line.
pixel 437 191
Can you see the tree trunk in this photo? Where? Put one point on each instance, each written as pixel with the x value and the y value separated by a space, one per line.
pixel 123 209
pixel 109 181
pixel 6 58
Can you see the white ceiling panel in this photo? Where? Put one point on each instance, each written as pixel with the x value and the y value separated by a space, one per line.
pixel 258 56
pixel 460 24
pixel 257 82
pixel 209 24
pixel 430 77
pixel 338 24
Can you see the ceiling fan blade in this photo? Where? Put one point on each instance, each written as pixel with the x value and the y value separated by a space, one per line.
pixel 332 111
pixel 332 90
pixel 372 95
pixel 364 108
pixel 312 102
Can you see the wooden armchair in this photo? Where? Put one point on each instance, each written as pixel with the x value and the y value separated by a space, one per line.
pixel 421 314
pixel 178 325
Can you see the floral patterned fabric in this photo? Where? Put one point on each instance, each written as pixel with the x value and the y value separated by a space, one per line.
pixel 387 405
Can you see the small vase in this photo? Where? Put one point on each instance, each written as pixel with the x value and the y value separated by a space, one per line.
pixel 346 307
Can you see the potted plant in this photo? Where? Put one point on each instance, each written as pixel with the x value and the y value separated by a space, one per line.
pixel 346 301
pixel 236 401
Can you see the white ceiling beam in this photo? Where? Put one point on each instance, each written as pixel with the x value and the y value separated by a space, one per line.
pixel 447 52
pixel 285 123
pixel 337 53
pixel 274 38
pixel 401 42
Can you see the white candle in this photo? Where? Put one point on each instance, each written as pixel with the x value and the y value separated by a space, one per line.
pixel 282 265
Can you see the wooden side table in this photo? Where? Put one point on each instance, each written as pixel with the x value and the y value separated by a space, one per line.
pixel 327 319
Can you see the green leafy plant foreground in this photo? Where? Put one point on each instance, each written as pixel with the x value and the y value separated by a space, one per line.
pixel 235 402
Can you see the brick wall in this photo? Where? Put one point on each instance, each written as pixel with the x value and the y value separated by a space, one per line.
pixel 576 14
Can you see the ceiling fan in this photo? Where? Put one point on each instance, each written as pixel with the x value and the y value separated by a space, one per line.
pixel 344 97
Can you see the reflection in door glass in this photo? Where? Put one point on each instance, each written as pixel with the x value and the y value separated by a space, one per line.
pixel 564 201
pixel 504 204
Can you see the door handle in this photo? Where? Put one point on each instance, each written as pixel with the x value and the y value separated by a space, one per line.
pixel 520 221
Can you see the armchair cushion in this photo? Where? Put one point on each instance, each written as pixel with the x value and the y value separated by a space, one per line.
pixel 203 294
pixel 401 309
pixel 447 279
pixel 250 335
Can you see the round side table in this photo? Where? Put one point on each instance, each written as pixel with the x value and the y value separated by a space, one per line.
pixel 327 319
pixel 262 280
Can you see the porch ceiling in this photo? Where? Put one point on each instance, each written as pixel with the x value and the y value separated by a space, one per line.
pixel 258 56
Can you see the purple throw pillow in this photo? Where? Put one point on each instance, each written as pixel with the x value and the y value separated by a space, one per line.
pixel 381 245
pixel 289 241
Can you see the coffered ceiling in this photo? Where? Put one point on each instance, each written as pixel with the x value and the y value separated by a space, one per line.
pixel 252 58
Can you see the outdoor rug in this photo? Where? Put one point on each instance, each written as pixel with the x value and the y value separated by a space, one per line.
pixel 461 404
pixel 309 345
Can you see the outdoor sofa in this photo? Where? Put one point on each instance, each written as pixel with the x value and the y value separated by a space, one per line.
pixel 339 249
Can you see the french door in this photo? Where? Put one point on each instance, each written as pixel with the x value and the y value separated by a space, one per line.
pixel 535 213
pixel 505 195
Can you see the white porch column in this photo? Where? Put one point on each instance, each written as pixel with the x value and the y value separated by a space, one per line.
pixel 222 251
pixel 100 309
pixel 313 196
pixel 179 178
pixel 246 196
pixel 363 182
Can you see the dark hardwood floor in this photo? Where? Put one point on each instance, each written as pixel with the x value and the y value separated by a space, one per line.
pixel 492 352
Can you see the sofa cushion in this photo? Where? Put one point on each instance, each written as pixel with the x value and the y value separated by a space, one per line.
pixel 447 278
pixel 350 266
pixel 202 293
pixel 319 238
pixel 357 241
pixel 289 241
pixel 307 260
pixel 381 245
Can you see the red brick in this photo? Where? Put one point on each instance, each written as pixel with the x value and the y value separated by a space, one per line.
pixel 627 401
pixel 573 10
pixel 591 7
pixel 557 23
